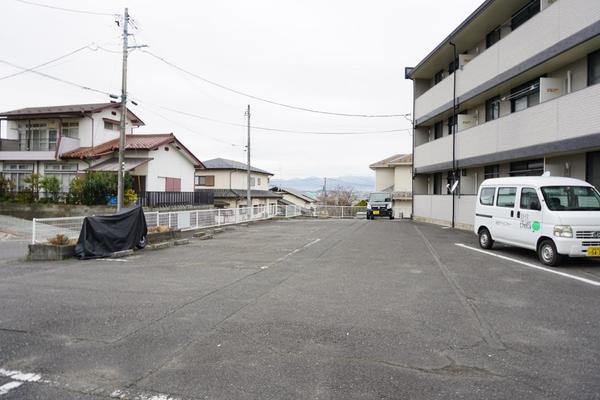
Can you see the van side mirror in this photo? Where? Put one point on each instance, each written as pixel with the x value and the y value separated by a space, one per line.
pixel 535 205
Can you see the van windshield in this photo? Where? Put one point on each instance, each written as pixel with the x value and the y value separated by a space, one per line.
pixel 571 198
pixel 379 197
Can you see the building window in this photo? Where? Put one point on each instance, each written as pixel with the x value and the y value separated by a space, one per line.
pixel 437 183
pixel 111 126
pixel 452 124
pixel 252 181
pixel 594 68
pixel 259 181
pixel 491 171
pixel 64 172
pixel 525 14
pixel 492 109
pixel 205 180
pixel 525 96
pixel 527 168
pixel 70 129
pixel 36 136
pixel 438 130
pixel 506 197
pixel 453 66
pixel 492 38
pixel 16 173
pixel 438 77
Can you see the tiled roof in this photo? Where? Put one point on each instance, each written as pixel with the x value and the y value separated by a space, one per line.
pixel 241 193
pixel 132 142
pixel 396 159
pixel 73 109
pixel 223 163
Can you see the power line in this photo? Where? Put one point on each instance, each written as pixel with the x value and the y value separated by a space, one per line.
pixel 54 78
pixel 71 10
pixel 48 62
pixel 266 100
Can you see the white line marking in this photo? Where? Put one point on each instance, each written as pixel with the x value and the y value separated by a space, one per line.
pixel 20 376
pixel 311 243
pixel 4 389
pixel 577 278
pixel 291 253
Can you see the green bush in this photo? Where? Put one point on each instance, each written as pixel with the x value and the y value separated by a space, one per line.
pixel 95 188
pixel 34 181
pixel 6 188
pixel 51 186
pixel 25 196
pixel 362 203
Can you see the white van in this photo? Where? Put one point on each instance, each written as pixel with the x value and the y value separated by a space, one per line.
pixel 554 216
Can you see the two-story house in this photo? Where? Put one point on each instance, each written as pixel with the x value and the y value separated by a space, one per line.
pixel 228 181
pixel 65 141
pixel 394 175
pixel 293 197
pixel 513 90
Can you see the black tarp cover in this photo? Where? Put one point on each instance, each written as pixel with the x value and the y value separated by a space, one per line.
pixel 103 235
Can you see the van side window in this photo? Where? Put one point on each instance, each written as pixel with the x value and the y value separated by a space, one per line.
pixel 506 197
pixel 487 196
pixel 529 199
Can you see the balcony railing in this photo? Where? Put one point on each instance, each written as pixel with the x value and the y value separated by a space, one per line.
pixel 37 145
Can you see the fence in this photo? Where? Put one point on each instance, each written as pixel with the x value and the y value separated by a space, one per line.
pixel 335 211
pixel 45 228
pixel 166 199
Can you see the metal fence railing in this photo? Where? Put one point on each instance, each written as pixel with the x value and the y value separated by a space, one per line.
pixel 46 228
pixel 339 212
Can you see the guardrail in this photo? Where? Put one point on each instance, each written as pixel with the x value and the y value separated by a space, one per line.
pixel 46 228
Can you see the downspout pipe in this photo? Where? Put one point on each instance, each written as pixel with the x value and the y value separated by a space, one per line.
pixel 455 131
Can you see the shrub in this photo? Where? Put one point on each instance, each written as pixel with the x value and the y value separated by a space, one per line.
pixel 362 203
pixel 34 181
pixel 129 197
pixel 95 188
pixel 51 186
pixel 24 196
pixel 6 188
pixel 76 187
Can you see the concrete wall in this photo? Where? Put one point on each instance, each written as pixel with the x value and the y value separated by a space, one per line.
pixel 384 178
pixel 234 179
pixel 403 178
pixel 438 210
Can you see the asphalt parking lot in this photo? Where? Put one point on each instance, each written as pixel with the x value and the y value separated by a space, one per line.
pixel 303 309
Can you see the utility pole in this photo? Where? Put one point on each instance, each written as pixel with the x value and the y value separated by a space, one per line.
pixel 120 179
pixel 248 192
pixel 325 188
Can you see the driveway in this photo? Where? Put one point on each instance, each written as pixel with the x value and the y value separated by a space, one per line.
pixel 303 309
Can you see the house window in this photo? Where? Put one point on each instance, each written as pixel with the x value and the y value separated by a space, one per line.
pixel 252 181
pixel 527 168
pixel 492 38
pixel 111 126
pixel 64 172
pixel 205 180
pixel 491 171
pixel 437 78
pixel 70 129
pixel 36 136
pixel 438 130
pixel 492 109
pixel 594 68
pixel 259 181
pixel 525 14
pixel 525 96
pixel 16 173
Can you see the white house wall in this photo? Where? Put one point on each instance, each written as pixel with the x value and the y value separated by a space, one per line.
pixel 169 164
pixel 384 178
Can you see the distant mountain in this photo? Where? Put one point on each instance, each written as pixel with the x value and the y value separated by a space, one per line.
pixel 315 184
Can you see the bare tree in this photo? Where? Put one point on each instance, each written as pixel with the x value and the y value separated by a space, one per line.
pixel 338 196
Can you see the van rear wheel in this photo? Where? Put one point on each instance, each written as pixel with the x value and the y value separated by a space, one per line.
pixel 485 239
pixel 547 253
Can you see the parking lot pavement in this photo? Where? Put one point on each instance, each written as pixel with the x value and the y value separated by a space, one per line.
pixel 303 309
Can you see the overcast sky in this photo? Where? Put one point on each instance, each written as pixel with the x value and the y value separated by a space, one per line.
pixel 343 56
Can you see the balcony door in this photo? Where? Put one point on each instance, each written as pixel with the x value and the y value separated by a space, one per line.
pixel 592 168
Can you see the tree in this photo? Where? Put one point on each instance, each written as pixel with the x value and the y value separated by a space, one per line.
pixel 33 181
pixel 339 196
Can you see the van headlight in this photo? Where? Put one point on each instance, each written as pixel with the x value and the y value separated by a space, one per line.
pixel 388 206
pixel 563 231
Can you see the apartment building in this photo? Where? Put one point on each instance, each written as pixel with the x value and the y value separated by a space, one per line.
pixel 394 175
pixel 227 180
pixel 513 90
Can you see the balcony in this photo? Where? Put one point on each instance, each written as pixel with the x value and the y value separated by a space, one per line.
pixel 33 150
pixel 570 116
pixel 555 23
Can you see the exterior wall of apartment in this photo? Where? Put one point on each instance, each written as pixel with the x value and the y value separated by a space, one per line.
pixel 545 130
pixel 403 178
pixel 169 164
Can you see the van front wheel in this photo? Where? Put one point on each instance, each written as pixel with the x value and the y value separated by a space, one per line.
pixel 485 239
pixel 547 253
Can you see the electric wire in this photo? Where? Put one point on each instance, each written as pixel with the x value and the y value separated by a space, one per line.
pixel 71 10
pixel 165 61
pixel 88 47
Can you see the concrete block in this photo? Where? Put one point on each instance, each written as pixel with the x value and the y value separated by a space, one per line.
pixel 218 230
pixel 158 246
pixel 49 252
pixel 181 242
pixel 200 234
pixel 122 253
pixel 206 237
